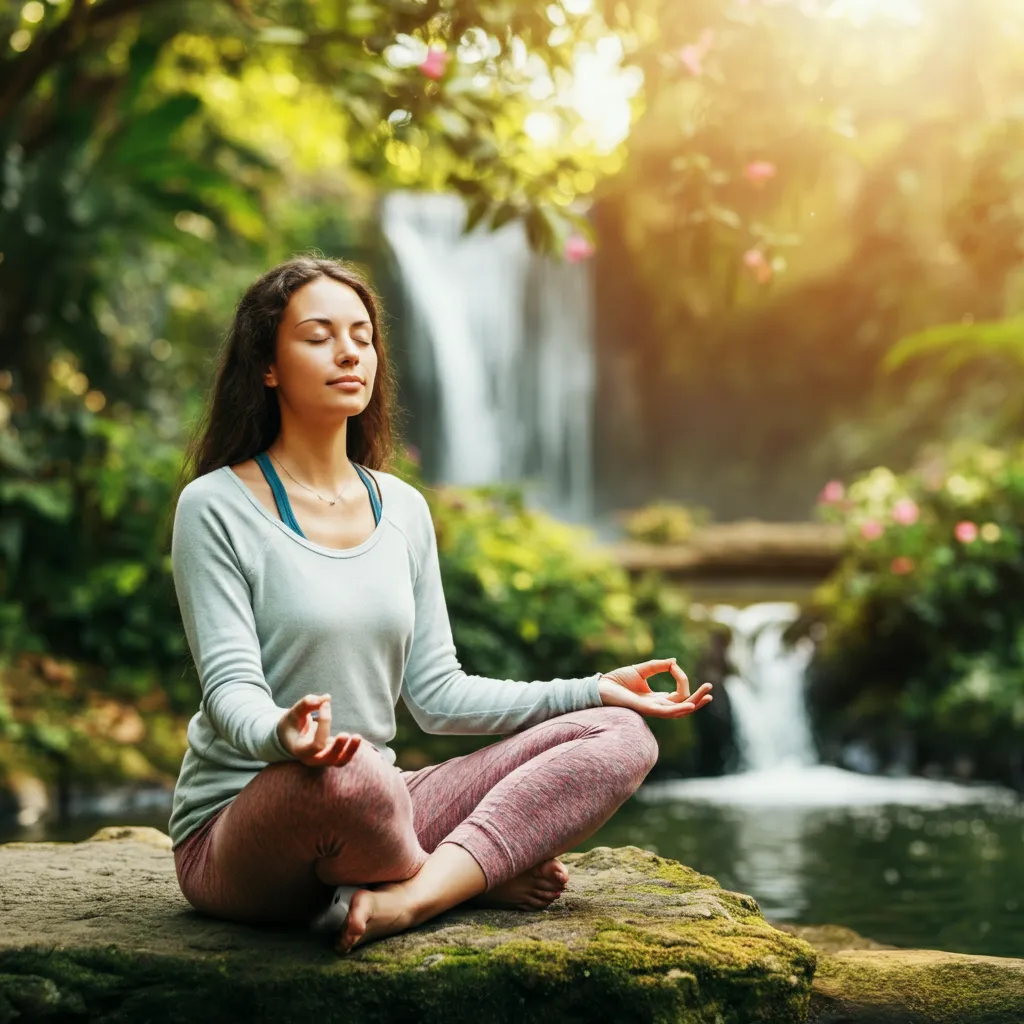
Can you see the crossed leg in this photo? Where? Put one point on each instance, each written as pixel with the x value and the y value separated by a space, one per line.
pixel 436 837
pixel 512 807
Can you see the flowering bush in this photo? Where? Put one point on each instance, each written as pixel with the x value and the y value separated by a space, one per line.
pixel 664 523
pixel 925 614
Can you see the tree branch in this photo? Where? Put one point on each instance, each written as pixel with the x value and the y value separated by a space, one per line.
pixel 20 75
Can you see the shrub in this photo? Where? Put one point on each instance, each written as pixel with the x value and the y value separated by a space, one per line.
pixel 925 613
pixel 85 509
pixel 664 523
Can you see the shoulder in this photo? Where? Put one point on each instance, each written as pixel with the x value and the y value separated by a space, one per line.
pixel 209 503
pixel 204 492
pixel 407 509
pixel 404 499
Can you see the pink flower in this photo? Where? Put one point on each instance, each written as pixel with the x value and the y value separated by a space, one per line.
pixel 966 532
pixel 756 262
pixel 901 565
pixel 759 171
pixel 577 248
pixel 435 64
pixel 691 58
pixel 832 493
pixel 905 512
pixel 872 529
pixel 692 55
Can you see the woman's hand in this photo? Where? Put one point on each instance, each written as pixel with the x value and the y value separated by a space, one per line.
pixel 627 688
pixel 309 739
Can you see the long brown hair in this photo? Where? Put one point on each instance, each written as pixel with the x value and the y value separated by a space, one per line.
pixel 243 417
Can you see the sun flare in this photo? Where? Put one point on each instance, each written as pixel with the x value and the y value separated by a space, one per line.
pixel 862 11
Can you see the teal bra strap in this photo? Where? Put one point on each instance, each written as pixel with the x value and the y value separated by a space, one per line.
pixel 375 502
pixel 284 506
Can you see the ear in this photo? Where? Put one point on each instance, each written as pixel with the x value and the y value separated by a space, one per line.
pixel 270 378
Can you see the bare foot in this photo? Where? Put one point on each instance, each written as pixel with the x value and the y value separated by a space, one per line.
pixel 534 889
pixel 374 914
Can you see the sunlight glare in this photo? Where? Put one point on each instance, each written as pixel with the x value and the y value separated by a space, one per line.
pixel 862 11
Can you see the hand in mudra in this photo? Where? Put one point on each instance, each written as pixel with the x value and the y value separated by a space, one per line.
pixel 309 739
pixel 627 688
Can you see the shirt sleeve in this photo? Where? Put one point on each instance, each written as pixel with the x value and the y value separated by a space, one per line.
pixel 444 699
pixel 216 611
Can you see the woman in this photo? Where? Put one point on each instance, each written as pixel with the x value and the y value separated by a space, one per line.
pixel 312 597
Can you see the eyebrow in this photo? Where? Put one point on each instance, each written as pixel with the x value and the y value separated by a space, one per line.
pixel 328 322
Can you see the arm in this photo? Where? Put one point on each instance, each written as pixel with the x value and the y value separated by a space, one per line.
pixel 443 699
pixel 216 611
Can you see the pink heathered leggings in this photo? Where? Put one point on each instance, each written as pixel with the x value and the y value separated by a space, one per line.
pixel 274 854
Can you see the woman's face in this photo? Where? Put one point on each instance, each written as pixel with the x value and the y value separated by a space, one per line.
pixel 324 335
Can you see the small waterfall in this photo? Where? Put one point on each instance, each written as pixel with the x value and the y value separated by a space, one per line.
pixel 767 691
pixel 780 769
pixel 503 339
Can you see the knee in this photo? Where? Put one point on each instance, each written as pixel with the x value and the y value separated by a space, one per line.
pixel 366 793
pixel 634 740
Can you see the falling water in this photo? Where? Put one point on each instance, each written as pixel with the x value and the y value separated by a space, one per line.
pixel 778 759
pixel 503 338
pixel 766 693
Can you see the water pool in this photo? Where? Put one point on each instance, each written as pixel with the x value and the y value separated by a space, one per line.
pixel 909 862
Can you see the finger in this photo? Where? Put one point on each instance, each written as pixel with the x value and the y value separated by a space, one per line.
pixel 682 680
pixel 652 668
pixel 329 754
pixel 668 708
pixel 300 710
pixel 348 751
pixel 700 692
pixel 696 707
pixel 323 724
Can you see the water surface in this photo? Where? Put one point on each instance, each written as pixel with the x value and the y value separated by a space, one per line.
pixel 908 862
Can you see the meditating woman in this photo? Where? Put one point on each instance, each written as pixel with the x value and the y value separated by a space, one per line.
pixel 312 601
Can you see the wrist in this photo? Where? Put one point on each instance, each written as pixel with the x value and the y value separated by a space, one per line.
pixel 606 688
pixel 279 734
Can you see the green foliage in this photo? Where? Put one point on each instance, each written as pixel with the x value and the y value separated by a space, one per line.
pixel 960 342
pixel 531 597
pixel 926 612
pixel 664 522
pixel 85 506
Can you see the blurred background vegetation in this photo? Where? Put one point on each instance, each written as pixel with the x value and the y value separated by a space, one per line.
pixel 805 223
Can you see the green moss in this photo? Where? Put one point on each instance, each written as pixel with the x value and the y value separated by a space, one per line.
pixel 541 982
pixel 918 987
pixel 622 944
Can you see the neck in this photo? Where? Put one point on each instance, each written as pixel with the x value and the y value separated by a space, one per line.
pixel 315 453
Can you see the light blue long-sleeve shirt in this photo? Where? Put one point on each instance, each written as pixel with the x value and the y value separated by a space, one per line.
pixel 271 616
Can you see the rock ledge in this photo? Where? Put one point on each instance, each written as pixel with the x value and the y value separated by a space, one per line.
pixel 99 931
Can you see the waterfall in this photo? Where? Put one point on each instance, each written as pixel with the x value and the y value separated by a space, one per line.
pixel 766 693
pixel 779 765
pixel 503 338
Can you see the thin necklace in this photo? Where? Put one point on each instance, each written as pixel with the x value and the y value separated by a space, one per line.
pixel 303 486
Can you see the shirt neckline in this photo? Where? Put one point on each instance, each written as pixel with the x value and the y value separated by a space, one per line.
pixel 320 549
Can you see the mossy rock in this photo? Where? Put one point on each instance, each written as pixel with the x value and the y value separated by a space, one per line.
pixel 98 931
pixel 863 982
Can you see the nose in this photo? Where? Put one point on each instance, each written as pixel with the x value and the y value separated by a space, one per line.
pixel 347 350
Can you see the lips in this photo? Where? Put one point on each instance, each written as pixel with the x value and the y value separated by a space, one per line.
pixel 345 380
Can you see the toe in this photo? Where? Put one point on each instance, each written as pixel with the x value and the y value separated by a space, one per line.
pixel 533 903
pixel 553 871
pixel 545 888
